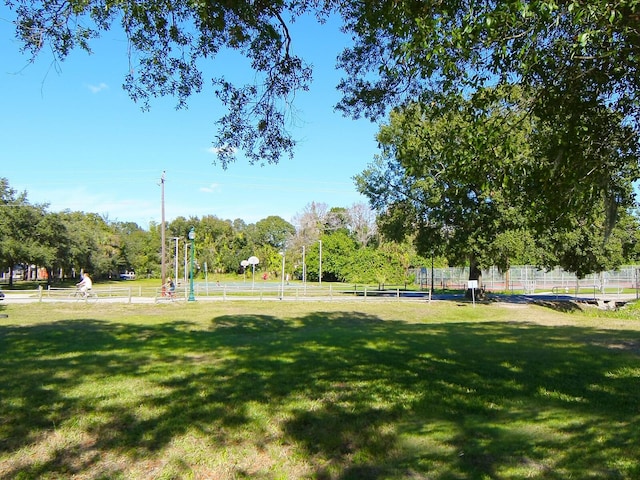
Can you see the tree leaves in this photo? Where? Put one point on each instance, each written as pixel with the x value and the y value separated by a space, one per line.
pixel 574 62
pixel 577 62
pixel 168 41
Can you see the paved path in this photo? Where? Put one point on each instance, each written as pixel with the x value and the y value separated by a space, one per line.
pixel 17 297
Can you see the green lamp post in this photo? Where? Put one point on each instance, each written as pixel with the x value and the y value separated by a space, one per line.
pixel 192 237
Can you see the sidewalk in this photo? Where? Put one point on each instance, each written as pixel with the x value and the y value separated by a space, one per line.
pixel 18 297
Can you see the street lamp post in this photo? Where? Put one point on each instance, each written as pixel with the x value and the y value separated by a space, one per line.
pixel 192 237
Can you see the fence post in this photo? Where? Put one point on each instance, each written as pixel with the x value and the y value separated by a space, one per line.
pixel 39 293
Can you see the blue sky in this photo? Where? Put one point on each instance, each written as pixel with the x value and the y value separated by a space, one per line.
pixel 71 137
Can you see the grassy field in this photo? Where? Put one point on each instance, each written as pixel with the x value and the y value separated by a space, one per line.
pixel 377 390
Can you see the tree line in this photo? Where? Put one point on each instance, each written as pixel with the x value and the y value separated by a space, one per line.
pixel 68 242
pixel 340 244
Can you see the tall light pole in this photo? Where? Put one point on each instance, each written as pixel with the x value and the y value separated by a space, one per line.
pixel 282 279
pixel 175 259
pixel 192 237
pixel 320 266
pixel 186 270
pixel 304 269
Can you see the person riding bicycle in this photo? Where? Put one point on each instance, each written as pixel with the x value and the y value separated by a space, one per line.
pixel 170 288
pixel 85 285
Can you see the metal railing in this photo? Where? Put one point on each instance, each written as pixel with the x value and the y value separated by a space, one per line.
pixel 523 281
pixel 294 291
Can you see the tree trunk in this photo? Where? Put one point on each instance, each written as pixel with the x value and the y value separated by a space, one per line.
pixel 475 273
pixel 50 275
pixel 507 279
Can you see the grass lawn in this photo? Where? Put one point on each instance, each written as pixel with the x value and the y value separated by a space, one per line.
pixel 292 390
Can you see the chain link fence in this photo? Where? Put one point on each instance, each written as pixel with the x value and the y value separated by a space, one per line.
pixel 530 279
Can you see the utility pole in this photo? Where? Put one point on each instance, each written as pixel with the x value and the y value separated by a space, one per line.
pixel 163 266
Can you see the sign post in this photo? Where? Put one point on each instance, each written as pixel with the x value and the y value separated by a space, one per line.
pixel 473 284
pixel 192 238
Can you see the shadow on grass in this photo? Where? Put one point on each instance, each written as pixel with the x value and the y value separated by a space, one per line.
pixel 352 395
pixel 559 306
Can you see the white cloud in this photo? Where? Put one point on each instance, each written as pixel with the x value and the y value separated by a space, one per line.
pixel 214 187
pixel 98 88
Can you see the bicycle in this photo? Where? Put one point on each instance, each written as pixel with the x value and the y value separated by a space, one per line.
pixel 169 294
pixel 88 295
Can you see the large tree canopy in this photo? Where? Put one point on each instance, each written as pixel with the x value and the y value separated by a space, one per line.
pixel 576 60
pixel 451 181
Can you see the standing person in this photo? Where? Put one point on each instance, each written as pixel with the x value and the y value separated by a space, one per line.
pixel 85 285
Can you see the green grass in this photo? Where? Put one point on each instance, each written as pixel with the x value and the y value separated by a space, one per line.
pixel 376 390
